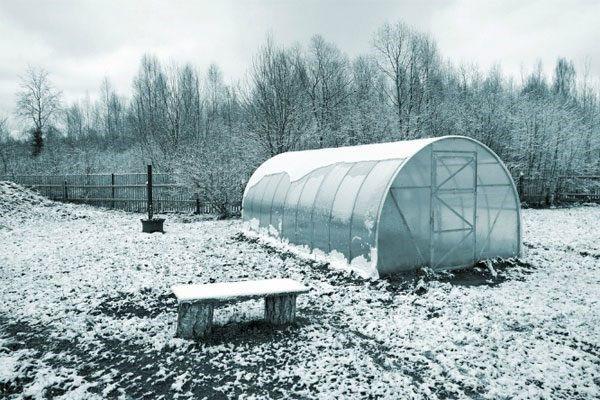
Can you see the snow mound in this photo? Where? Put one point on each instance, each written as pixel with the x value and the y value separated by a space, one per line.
pixel 16 198
pixel 18 204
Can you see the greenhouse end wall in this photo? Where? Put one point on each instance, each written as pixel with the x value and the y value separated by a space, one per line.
pixel 442 203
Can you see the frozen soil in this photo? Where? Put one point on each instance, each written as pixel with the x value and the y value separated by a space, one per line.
pixel 86 311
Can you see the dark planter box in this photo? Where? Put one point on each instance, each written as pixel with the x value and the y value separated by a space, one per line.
pixel 153 225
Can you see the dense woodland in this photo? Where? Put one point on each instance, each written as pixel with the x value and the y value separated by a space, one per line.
pixel 212 134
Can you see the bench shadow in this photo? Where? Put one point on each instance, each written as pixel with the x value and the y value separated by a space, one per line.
pixel 252 331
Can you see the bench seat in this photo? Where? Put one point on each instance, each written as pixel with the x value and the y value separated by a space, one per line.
pixel 196 302
pixel 237 291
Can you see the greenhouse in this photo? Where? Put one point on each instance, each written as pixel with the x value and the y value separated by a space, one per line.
pixel 443 203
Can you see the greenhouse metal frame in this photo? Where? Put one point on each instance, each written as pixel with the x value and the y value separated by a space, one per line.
pixel 442 203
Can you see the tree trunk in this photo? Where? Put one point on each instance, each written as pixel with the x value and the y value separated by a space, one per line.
pixel 194 320
pixel 280 310
pixel 37 142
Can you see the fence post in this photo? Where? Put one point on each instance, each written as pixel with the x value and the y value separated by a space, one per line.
pixel 149 192
pixel 521 186
pixel 65 193
pixel 197 204
pixel 112 187
pixel 557 197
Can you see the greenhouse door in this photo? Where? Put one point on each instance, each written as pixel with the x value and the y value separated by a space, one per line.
pixel 453 209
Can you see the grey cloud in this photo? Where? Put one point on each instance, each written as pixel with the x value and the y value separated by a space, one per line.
pixel 80 42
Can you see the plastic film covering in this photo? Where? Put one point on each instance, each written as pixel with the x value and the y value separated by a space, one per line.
pixel 333 208
pixel 366 208
pixel 450 206
pixel 321 213
pixel 441 203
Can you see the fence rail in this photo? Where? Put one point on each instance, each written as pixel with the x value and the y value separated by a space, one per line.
pixel 120 191
pixel 564 189
pixel 128 191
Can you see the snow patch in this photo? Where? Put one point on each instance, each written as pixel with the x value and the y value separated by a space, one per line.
pixel 228 290
pixel 366 269
pixel 101 284
pixel 273 231
pixel 369 223
pixel 253 224
pixel 10 365
pixel 180 380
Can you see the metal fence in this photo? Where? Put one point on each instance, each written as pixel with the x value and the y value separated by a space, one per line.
pixel 120 191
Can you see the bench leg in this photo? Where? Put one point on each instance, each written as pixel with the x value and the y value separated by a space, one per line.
pixel 280 310
pixel 194 320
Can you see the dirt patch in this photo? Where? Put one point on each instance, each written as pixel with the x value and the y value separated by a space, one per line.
pixel 124 367
pixel 147 303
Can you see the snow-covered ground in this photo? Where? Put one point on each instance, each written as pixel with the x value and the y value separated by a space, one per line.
pixel 86 311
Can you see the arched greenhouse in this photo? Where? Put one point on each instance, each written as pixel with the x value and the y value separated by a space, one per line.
pixel 443 202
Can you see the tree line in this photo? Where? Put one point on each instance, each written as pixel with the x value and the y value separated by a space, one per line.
pixel 212 134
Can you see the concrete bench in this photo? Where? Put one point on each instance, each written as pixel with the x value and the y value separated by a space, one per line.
pixel 197 302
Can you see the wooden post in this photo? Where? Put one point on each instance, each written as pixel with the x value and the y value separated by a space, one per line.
pixel 521 187
pixel 556 196
pixel 112 187
pixel 197 204
pixel 149 193
pixel 280 310
pixel 194 320
pixel 65 193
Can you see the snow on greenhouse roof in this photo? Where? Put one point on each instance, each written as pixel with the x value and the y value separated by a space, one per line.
pixel 299 163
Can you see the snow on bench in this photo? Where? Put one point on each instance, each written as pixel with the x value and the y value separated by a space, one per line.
pixel 197 302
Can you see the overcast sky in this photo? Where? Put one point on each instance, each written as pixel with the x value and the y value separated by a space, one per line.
pixel 80 42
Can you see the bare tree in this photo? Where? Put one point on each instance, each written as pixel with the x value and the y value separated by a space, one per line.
pixel 391 44
pixel 275 104
pixel 409 59
pixel 564 78
pixel 39 103
pixel 214 91
pixel 191 103
pixel 327 81
pixel 368 113
pixel 4 150
pixel 148 115
pixel 112 112
pixel 74 122
pixel 214 163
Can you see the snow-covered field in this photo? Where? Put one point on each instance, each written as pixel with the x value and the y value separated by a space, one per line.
pixel 86 312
